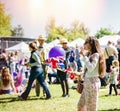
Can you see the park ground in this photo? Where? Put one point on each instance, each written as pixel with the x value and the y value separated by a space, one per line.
pixel 56 103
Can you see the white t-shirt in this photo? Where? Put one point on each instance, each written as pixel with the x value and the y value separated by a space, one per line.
pixel 92 66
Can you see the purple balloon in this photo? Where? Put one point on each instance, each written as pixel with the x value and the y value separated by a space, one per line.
pixel 20 62
pixel 15 74
pixel 57 51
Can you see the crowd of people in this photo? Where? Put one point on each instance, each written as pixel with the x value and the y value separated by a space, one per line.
pixel 101 67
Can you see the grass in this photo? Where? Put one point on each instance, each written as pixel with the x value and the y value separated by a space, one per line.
pixel 57 103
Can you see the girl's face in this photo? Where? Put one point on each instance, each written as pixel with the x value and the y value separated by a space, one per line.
pixel 87 46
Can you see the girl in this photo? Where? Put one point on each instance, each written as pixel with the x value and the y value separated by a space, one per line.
pixel 94 67
pixel 6 82
pixel 113 77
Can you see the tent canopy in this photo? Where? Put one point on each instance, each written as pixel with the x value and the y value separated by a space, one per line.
pixel 78 41
pixel 21 47
pixel 104 40
pixel 53 43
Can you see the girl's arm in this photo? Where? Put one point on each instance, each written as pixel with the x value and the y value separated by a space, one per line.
pixel 80 73
pixel 91 64
pixel 13 86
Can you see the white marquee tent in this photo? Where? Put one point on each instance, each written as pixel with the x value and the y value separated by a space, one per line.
pixel 22 48
pixel 104 40
pixel 53 43
pixel 78 41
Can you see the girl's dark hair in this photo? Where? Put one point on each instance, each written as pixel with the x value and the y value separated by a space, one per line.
pixel 95 48
pixel 33 46
pixel 6 77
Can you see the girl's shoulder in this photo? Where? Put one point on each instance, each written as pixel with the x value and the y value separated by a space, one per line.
pixel 95 55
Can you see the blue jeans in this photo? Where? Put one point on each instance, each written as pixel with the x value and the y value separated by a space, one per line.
pixel 36 73
pixel 5 91
pixel 79 64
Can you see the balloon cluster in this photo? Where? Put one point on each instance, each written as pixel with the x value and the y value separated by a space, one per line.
pixel 56 57
pixel 56 60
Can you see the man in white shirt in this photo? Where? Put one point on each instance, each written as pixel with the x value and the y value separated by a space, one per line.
pixel 110 53
pixel 43 55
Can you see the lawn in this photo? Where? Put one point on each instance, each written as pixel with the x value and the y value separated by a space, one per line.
pixel 57 103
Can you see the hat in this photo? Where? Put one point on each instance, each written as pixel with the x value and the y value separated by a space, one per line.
pixel 41 38
pixel 63 40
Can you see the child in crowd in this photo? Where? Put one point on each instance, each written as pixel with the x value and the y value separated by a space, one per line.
pixel 113 77
pixel 6 82
pixel 20 80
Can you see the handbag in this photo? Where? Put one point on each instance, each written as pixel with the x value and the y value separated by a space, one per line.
pixel 80 86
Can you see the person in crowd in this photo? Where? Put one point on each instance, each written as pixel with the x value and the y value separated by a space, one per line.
pixel 36 72
pixel 77 58
pixel 17 58
pixel 113 77
pixel 53 73
pixel 118 48
pixel 61 74
pixel 72 61
pixel 94 67
pixel 43 53
pixel 12 63
pixel 27 68
pixel 20 80
pixel 110 53
pixel 6 82
pixel 3 59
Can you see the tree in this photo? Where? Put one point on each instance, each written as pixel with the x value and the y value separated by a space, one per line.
pixel 104 31
pixel 75 31
pixel 18 31
pixel 78 30
pixel 5 22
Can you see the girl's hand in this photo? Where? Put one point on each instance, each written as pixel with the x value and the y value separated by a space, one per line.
pixel 82 51
pixel 76 73
pixel 14 90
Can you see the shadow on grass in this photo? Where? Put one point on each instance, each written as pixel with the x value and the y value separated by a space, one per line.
pixel 111 110
pixel 16 99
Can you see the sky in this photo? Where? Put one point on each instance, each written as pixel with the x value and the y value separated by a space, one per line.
pixel 33 15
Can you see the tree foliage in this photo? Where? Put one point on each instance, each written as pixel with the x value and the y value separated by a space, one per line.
pixel 54 31
pixel 75 31
pixel 18 31
pixel 5 25
pixel 104 31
